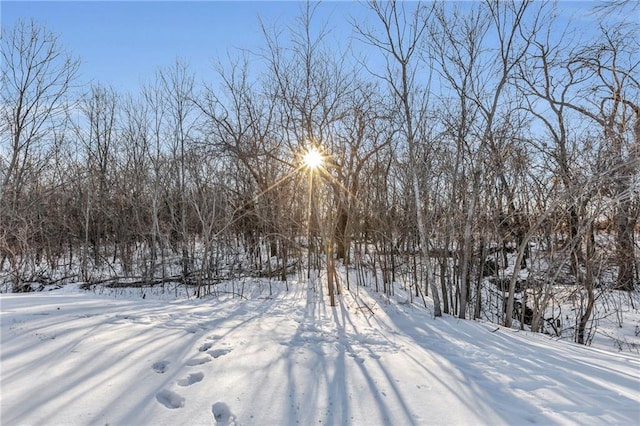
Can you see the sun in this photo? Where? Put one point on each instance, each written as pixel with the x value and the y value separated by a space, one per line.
pixel 313 159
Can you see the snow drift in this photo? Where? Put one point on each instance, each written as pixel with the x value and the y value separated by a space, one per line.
pixel 75 357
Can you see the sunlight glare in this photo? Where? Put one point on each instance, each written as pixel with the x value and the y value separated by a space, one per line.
pixel 313 159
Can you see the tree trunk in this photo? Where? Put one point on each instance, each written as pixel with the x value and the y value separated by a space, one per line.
pixel 625 247
pixel 588 283
pixel 341 232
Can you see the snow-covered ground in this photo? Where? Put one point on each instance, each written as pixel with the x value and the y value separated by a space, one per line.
pixel 74 357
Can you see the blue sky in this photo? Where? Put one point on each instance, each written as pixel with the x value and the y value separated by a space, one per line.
pixel 122 43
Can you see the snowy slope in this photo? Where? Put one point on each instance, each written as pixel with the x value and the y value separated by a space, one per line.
pixel 72 357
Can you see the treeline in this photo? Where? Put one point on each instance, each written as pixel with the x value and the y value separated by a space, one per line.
pixel 485 129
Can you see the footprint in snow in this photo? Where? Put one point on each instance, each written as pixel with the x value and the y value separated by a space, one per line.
pixel 170 399
pixel 192 329
pixel 191 379
pixel 216 353
pixel 160 366
pixel 222 414
pixel 198 361
pixel 205 347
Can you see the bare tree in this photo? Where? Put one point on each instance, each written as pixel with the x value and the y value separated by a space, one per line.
pixel 313 85
pixel 133 188
pixel 398 41
pixel 96 135
pixel 177 85
pixel 456 43
pixel 603 76
pixel 478 53
pixel 153 98
pixel 36 75
pixel 239 122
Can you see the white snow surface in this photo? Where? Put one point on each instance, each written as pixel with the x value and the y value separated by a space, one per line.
pixel 70 357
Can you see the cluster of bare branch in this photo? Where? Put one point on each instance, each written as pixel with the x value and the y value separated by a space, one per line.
pixel 486 144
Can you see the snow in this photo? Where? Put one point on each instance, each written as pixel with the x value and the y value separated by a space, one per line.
pixel 81 358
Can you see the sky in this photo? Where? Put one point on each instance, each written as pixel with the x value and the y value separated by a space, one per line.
pixel 123 43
